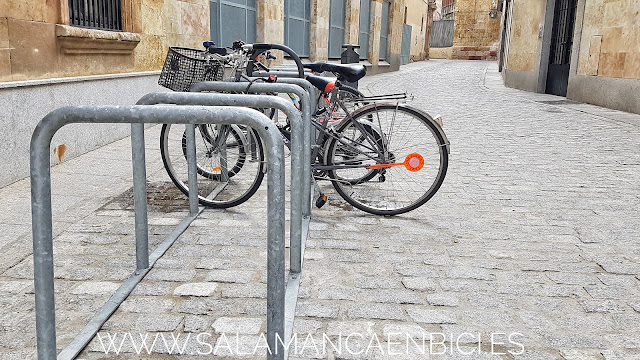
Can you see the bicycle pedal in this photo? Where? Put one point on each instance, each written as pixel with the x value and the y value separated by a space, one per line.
pixel 321 200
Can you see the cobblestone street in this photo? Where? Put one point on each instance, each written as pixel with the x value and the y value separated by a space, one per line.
pixel 531 243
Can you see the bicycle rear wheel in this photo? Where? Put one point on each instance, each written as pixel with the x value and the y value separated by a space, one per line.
pixel 229 160
pixel 368 180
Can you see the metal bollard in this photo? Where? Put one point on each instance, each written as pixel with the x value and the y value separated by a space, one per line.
pixel 350 56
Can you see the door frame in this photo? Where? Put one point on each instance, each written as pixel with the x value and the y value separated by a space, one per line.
pixel 387 36
pixel 544 49
pixel 505 32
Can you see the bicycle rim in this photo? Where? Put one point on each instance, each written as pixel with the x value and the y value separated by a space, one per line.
pixel 396 189
pixel 243 164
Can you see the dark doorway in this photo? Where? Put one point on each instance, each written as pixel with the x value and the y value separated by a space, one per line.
pixel 564 18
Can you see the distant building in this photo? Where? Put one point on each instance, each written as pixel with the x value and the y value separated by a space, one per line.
pixel 317 29
pixel 466 29
pixel 586 50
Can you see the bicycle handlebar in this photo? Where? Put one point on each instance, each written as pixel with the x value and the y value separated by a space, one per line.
pixel 260 48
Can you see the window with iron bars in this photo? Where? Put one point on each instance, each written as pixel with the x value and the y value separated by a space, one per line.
pixel 448 8
pixel 96 14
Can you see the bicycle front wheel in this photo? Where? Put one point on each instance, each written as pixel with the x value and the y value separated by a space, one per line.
pixel 387 159
pixel 229 161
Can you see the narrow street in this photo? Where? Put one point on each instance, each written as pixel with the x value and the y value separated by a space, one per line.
pixel 531 245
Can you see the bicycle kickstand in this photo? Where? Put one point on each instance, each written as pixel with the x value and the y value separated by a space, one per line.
pixel 322 198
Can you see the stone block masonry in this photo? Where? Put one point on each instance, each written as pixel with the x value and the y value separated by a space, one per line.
pixel 476 34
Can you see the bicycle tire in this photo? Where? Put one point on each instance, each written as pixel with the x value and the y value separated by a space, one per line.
pixel 392 190
pixel 243 146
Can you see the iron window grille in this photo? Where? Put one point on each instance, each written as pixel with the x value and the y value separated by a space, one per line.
pixel 448 8
pixel 96 14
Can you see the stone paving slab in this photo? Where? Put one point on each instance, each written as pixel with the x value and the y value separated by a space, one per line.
pixel 532 242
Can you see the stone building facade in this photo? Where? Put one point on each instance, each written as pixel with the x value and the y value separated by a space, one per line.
pixel 419 16
pixel 48 61
pixel 43 43
pixel 602 64
pixel 271 13
pixel 476 33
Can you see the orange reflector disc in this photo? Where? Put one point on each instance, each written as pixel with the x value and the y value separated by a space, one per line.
pixel 414 162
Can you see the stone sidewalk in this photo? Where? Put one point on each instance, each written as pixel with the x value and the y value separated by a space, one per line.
pixel 532 242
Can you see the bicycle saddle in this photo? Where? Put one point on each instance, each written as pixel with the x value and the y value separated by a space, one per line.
pixel 349 73
pixel 320 82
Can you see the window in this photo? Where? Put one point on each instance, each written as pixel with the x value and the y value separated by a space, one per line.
pixel 232 20
pixel 384 30
pixel 365 28
pixel 296 25
pixel 96 14
pixel 336 27
pixel 448 8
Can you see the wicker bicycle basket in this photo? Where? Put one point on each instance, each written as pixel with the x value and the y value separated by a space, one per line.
pixel 184 67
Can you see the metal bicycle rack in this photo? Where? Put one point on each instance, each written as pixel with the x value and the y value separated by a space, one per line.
pixel 305 108
pixel 301 137
pixel 137 116
pixel 300 163
pixel 312 94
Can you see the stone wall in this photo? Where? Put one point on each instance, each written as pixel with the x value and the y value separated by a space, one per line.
pixel 476 34
pixel 41 44
pixel 374 37
pixel 319 30
pixel 417 17
pixel 24 106
pixel 605 58
pixel 610 41
pixel 527 18
pixel 270 16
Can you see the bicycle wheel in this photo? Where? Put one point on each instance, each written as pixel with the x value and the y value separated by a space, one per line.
pixel 398 167
pixel 357 148
pixel 223 181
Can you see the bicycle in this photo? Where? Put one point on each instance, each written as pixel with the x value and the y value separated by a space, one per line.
pixel 185 67
pixel 382 158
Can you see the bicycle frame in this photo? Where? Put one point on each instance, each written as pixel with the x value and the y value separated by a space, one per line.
pixel 326 134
